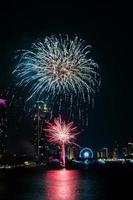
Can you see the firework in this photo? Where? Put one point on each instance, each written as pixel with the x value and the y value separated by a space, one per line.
pixel 60 70
pixel 61 133
pixel 3 102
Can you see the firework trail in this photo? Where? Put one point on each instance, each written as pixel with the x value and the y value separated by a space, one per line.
pixel 61 70
pixel 61 133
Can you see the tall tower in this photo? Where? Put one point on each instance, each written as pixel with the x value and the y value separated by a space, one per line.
pixel 130 149
pixel 3 127
pixel 70 153
pixel 39 140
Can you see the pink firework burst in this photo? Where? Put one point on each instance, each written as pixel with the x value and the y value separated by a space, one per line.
pixel 62 133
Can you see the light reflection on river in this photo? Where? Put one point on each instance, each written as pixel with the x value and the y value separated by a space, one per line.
pixel 35 184
pixel 61 184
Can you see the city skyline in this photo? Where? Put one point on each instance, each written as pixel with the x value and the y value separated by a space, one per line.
pixel 19 120
pixel 41 113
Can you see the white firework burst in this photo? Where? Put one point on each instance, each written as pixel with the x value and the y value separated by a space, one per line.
pixel 58 68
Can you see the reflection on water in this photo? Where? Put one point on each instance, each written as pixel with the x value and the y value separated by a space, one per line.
pixel 35 184
pixel 50 185
pixel 61 184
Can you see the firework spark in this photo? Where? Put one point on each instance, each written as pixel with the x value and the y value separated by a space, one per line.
pixel 3 102
pixel 59 69
pixel 61 133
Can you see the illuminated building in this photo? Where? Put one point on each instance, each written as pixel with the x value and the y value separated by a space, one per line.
pixel 70 153
pixel 115 153
pixel 98 155
pixel 39 140
pixel 103 153
pixel 130 149
pixel 3 127
pixel 124 152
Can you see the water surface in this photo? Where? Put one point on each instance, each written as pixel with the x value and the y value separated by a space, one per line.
pixel 64 184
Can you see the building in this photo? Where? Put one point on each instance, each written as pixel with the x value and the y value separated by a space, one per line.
pixel 102 153
pixel 3 127
pixel 124 152
pixel 41 116
pixel 70 153
pixel 116 151
pixel 130 149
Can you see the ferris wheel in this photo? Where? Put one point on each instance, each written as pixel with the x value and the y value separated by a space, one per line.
pixel 86 153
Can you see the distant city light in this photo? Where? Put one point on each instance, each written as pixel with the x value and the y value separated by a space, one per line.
pixel 101 161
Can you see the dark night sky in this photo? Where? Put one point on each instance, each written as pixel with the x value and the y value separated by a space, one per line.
pixel 108 28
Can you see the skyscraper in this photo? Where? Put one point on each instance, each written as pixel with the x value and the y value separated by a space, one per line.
pixel 130 149
pixel 116 150
pixel 39 140
pixel 3 126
